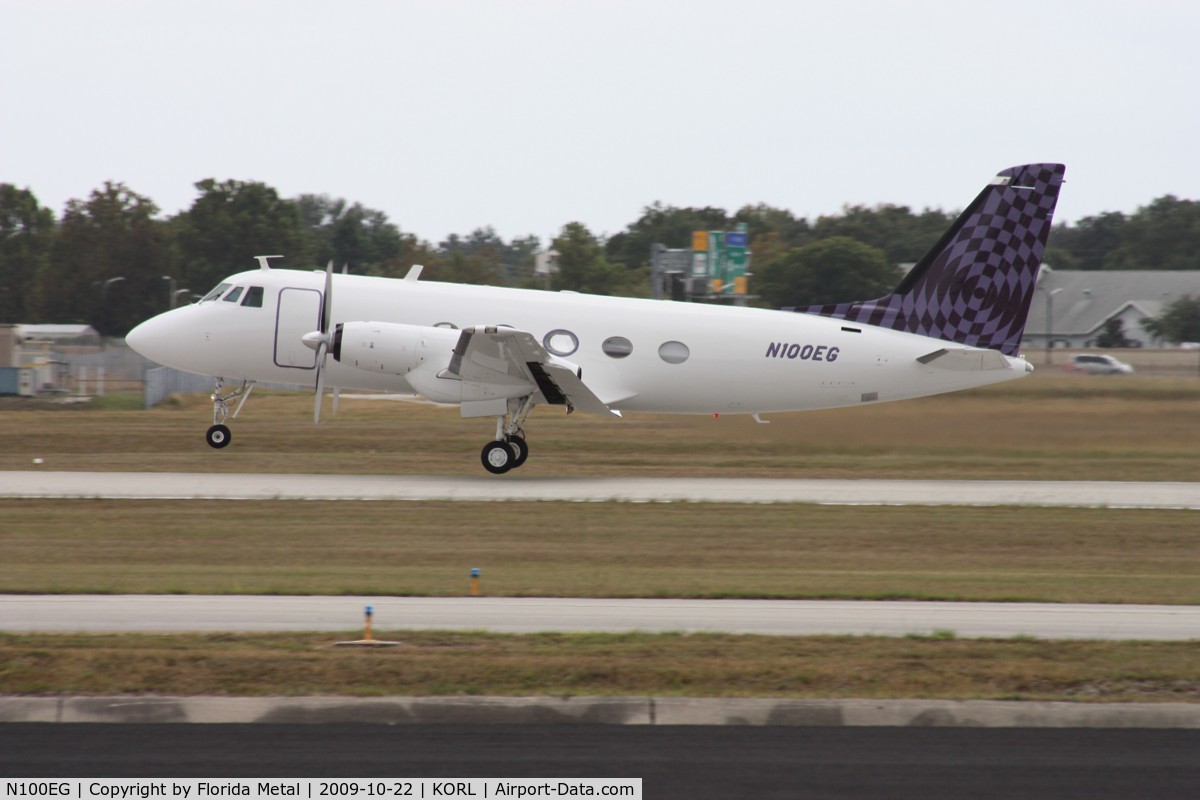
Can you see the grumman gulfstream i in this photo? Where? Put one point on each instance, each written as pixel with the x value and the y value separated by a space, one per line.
pixel 954 322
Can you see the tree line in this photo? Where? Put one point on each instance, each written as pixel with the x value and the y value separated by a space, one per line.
pixel 112 260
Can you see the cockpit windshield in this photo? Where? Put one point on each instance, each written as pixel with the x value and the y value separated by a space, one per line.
pixel 254 297
pixel 215 293
pixel 250 296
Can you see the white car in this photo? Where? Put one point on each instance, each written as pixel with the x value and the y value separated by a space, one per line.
pixel 1097 365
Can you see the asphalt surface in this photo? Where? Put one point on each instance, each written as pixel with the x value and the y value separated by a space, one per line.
pixel 156 485
pixel 110 613
pixel 698 760
pixel 674 762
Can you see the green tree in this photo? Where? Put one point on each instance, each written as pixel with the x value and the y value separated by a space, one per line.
pixel 582 266
pixel 1113 335
pixel 1087 243
pixel 834 270
pixel 1163 235
pixel 517 259
pixel 483 257
pixel 902 236
pixel 26 234
pixel 661 224
pixel 772 231
pixel 481 267
pixel 106 264
pixel 1179 321
pixel 348 233
pixel 230 223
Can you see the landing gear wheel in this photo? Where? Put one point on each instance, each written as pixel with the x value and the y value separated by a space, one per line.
pixel 218 436
pixel 497 457
pixel 520 450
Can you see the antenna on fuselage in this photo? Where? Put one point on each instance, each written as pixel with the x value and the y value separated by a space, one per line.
pixel 263 261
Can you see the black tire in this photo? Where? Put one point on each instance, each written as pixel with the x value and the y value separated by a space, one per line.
pixel 497 457
pixel 218 436
pixel 520 450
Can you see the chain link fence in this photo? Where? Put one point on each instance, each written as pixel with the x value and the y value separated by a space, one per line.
pixel 115 368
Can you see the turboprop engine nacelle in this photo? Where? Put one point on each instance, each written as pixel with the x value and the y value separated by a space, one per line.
pixel 392 347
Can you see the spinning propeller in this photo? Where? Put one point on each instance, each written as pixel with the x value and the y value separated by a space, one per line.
pixel 321 340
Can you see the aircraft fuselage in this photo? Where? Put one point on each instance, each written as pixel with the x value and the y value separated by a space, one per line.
pixel 634 354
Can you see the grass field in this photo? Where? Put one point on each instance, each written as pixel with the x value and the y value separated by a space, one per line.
pixel 1045 427
pixel 698 665
pixel 1054 427
pixel 600 550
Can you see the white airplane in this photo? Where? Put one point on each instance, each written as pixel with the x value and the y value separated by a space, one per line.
pixel 954 322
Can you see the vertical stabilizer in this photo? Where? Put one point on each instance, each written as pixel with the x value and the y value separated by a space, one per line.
pixel 975 286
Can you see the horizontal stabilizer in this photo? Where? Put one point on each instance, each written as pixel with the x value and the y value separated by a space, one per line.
pixel 965 359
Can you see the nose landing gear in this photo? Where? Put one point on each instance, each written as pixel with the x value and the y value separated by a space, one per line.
pixel 218 434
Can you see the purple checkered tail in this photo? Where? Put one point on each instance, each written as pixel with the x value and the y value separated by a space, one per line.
pixel 974 287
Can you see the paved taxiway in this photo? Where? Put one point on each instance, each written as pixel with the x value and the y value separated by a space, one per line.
pixel 166 485
pixel 98 613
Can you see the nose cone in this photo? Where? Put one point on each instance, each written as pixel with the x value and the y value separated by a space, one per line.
pixel 150 339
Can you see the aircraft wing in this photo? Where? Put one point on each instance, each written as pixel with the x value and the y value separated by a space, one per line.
pixel 498 359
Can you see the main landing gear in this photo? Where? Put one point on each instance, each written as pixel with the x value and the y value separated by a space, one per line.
pixel 218 434
pixel 509 449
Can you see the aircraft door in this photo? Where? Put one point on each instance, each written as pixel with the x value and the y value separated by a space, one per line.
pixel 298 313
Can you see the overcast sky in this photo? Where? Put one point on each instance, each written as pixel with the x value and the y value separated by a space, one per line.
pixel 449 115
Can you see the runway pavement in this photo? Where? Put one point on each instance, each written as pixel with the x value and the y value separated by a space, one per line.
pixel 674 762
pixel 97 613
pixel 158 485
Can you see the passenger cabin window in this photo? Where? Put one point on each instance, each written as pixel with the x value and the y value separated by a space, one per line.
pixel 254 297
pixel 674 352
pixel 561 342
pixel 217 292
pixel 233 296
pixel 616 347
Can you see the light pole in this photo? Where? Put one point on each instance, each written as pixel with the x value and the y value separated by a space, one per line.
pixel 170 291
pixel 104 315
pixel 104 293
